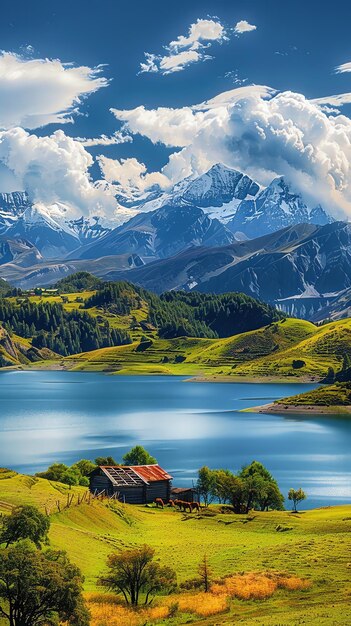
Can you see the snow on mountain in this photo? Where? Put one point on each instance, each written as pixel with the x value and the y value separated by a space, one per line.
pixel 46 227
pixel 218 192
pixel 275 207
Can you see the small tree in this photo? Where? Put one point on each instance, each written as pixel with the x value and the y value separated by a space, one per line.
pixel 105 460
pixel 205 574
pixel 296 495
pixel 138 456
pixel 206 484
pixel 84 466
pixel 25 522
pixel 38 588
pixel 133 572
pixel 71 477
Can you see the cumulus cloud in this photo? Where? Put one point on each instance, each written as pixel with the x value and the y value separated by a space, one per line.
pixel 185 50
pixel 36 92
pixel 53 169
pixel 244 27
pixel 130 174
pixel 261 132
pixel 345 67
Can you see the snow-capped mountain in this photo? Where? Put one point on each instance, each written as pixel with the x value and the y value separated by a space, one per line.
pixel 237 201
pixel 159 234
pixel 218 192
pixel 275 207
pixel 87 229
pixel 12 205
pixel 46 228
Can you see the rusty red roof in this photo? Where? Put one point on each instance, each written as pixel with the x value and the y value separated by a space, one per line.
pixel 151 473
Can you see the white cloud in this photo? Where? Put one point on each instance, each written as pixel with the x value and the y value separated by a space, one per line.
pixel 53 169
pixel 130 174
pixel 185 50
pixel 345 67
pixel 37 92
pixel 261 132
pixel 104 140
pixel 244 27
pixel 202 30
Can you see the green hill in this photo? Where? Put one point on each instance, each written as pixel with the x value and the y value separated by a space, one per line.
pixel 316 546
pixel 117 327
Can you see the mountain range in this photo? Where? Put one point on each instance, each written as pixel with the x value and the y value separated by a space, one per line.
pixel 216 232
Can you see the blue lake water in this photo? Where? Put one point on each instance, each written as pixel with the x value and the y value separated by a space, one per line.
pixel 65 416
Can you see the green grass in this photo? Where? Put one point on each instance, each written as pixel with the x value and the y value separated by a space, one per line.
pixel 317 547
pixel 331 395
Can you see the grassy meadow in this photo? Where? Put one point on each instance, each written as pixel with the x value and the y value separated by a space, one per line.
pixel 283 569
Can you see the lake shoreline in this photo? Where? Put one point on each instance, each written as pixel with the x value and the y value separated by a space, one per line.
pixel 299 409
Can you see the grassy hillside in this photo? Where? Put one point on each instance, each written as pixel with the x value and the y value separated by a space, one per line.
pixel 331 395
pixel 315 545
pixel 282 349
pixel 268 352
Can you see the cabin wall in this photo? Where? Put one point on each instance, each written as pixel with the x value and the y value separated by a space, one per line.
pixel 158 489
pixel 131 495
pixel 98 482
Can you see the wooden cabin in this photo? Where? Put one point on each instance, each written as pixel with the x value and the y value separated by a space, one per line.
pixel 187 494
pixel 137 484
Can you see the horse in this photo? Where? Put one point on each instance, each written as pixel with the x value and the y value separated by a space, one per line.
pixel 195 506
pixel 171 504
pixel 159 503
pixel 178 503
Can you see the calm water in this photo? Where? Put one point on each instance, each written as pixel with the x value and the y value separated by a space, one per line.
pixel 65 416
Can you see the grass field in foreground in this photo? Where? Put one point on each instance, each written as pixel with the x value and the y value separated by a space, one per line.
pixel 317 546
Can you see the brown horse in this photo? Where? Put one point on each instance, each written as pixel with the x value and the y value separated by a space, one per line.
pixel 186 507
pixel 195 506
pixel 159 503
pixel 171 504
pixel 178 503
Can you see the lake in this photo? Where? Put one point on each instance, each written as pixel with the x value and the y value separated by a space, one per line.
pixel 65 416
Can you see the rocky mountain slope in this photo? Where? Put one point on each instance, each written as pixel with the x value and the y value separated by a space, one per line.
pixel 159 234
pixel 273 208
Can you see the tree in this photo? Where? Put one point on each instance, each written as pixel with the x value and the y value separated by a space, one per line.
pixel 105 460
pixel 205 574
pixel 206 484
pixel 133 572
pixel 84 466
pixel 38 588
pixel 296 495
pixel 54 472
pixel 138 456
pixel 25 522
pixel 71 477
pixel 261 488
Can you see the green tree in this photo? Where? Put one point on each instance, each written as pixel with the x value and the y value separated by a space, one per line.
pixel 71 477
pixel 138 456
pixel 25 522
pixel 206 484
pixel 105 460
pixel 54 472
pixel 40 588
pixel 84 466
pixel 133 573
pixel 261 488
pixel 296 496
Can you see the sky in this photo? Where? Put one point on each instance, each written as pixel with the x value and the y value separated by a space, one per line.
pixel 96 97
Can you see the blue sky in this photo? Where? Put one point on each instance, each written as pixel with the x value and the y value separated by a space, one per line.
pixel 295 46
